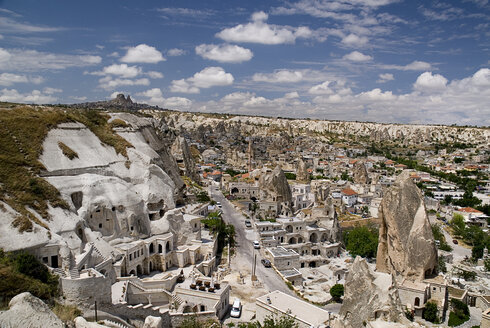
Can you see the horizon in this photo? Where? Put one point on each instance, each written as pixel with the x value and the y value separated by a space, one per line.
pixel 373 61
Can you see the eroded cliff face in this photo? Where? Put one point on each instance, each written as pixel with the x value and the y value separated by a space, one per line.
pixel 406 245
pixel 275 186
pixel 110 196
pixel 368 296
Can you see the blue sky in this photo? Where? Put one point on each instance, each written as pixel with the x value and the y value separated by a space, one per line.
pixel 365 60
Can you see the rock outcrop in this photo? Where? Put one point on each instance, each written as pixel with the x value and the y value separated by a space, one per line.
pixel 302 172
pixel 275 186
pixel 180 150
pixel 368 296
pixel 26 310
pixel 153 322
pixel 406 245
pixel 360 174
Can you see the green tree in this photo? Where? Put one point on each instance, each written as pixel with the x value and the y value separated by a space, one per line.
pixel 458 225
pixel 477 252
pixel 441 265
pixel 362 241
pixel 430 312
pixel 337 291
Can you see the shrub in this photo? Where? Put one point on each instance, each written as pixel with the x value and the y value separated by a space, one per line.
pixel 362 241
pixel 337 291
pixel 430 312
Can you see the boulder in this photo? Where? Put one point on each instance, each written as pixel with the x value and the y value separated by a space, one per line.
pixel 368 296
pixel 360 174
pixel 26 310
pixel 406 245
pixel 153 322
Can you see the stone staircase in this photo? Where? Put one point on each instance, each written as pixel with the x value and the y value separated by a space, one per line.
pixel 111 323
pixel 177 300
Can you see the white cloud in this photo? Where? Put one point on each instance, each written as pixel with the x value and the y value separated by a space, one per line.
pixel 176 52
pixel 258 31
pixel 413 66
pixel 207 78
pixel 428 82
pixel 182 86
pixel 280 76
pixel 7 79
pixel 32 60
pixel 50 91
pixel 142 53
pixel 321 89
pixel 154 75
pixel 291 95
pixel 35 96
pixel 210 77
pixel 122 70
pixel 110 83
pixel 385 77
pixel 357 56
pixel 353 40
pixel 225 53
pixel 9 25
pixel 155 97
pixel 377 95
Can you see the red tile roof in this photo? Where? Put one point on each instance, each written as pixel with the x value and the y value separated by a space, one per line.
pixel 348 192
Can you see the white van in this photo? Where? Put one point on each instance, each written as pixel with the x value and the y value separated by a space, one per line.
pixel 236 309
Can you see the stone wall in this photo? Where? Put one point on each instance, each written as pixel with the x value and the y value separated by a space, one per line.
pixel 87 290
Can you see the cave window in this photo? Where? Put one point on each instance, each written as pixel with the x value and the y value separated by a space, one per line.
pixel 132 228
pixel 417 301
pixel 100 225
pixel 113 208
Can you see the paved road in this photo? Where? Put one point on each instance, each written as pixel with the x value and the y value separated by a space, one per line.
pixel 459 252
pixel 244 249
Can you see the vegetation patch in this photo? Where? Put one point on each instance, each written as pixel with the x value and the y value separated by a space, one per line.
pixel 22 272
pixel 118 123
pixel 66 313
pixel 67 151
pixel 22 134
pixel 460 313
pixel 362 241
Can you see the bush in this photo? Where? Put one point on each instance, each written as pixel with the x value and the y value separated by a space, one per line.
pixel 362 241
pixel 337 291
pixel 455 320
pixel 430 312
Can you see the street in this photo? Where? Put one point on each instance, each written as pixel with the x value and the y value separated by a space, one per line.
pixel 245 252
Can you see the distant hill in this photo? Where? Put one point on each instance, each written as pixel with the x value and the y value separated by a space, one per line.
pixel 119 103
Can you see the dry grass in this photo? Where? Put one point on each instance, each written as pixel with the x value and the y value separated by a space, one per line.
pixel 118 123
pixel 67 151
pixel 66 313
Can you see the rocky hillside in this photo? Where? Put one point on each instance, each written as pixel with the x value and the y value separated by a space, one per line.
pixel 68 177
pixel 376 132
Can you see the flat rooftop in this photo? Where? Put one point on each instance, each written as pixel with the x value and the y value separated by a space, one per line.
pixel 303 311
pixel 281 251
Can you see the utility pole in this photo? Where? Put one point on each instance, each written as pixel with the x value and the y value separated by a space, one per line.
pixel 96 312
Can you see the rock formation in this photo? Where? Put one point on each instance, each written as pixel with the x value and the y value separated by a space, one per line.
pixel 360 174
pixel 368 296
pixel 275 186
pixel 406 245
pixel 180 150
pixel 26 310
pixel 302 172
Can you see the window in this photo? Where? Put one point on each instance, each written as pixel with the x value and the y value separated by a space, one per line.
pixel 417 301
pixel 100 225
pixel 130 257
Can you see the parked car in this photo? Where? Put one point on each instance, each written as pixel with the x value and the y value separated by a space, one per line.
pixel 248 224
pixel 236 308
pixel 266 263
pixel 256 244
pixel 455 241
pixel 218 204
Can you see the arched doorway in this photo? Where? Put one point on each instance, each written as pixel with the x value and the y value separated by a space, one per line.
pixel 151 248
pixel 139 270
pixel 300 240
pixel 167 247
pixel 312 264
pixel 151 266
pixel 160 248
pixel 289 229
pixel 132 273
pixel 313 237
pixel 324 238
pixel 292 240
pixel 417 301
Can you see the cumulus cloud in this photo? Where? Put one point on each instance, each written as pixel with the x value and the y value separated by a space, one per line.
pixel 35 96
pixel 155 97
pixel 207 78
pixel 280 76
pixel 377 95
pixel 413 66
pixel 428 82
pixel 385 77
pixel 354 41
pixel 357 56
pixel 7 79
pixel 225 53
pixel 122 70
pixel 174 52
pixel 110 83
pixel 258 31
pixel 32 60
pixel 143 53
pixel 154 75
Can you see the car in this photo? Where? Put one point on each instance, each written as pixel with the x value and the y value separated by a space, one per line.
pixel 218 204
pixel 256 244
pixel 236 308
pixel 266 263
pixel 455 241
pixel 248 224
